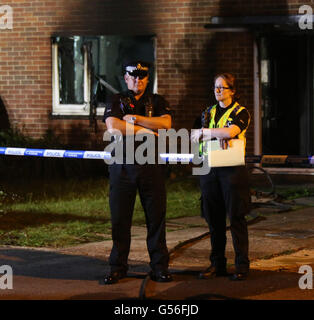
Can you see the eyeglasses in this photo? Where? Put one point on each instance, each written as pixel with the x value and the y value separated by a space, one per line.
pixel 220 88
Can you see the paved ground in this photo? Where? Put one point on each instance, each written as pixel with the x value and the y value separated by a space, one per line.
pixel 280 243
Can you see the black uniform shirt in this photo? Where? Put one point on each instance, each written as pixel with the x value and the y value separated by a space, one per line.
pixel 241 119
pixel 159 104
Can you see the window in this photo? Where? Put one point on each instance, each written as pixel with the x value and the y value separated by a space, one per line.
pixel 86 70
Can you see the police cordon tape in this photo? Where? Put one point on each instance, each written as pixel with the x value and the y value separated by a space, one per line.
pixel 53 153
pixel 170 157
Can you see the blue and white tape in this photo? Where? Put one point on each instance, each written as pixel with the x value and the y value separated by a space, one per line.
pixel 81 154
pixel 184 157
pixel 169 157
pixel 53 153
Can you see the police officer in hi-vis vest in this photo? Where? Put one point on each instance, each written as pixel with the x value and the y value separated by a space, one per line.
pixel 225 190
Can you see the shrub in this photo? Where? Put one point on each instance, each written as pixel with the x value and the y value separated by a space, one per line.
pixel 12 167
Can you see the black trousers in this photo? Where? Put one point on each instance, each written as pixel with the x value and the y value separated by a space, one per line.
pixel 225 191
pixel 149 180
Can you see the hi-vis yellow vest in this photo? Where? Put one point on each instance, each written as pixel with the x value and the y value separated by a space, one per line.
pixel 223 122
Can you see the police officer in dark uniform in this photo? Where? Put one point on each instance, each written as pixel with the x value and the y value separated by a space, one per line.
pixel 225 190
pixel 137 109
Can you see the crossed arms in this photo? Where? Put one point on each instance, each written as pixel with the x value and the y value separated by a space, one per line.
pixel 135 123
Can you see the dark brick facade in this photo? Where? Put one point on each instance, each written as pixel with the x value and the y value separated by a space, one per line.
pixel 188 55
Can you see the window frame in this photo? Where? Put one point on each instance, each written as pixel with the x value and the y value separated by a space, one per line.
pixel 59 109
pixel 82 110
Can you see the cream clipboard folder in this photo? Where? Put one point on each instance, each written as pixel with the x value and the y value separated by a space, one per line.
pixel 232 156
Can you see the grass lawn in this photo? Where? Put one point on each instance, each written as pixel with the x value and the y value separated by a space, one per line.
pixel 69 212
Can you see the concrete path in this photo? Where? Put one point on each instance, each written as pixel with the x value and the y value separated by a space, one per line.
pixel 279 244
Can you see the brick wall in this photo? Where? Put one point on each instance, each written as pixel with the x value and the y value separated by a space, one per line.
pixel 188 55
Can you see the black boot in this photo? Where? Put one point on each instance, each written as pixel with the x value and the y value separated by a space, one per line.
pixel 114 277
pixel 160 276
pixel 212 272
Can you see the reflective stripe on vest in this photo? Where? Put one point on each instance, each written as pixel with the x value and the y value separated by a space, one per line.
pixel 222 123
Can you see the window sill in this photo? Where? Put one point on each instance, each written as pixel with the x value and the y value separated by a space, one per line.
pixel 71 117
pixel 76 115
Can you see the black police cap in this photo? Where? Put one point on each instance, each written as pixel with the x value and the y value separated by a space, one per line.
pixel 136 68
